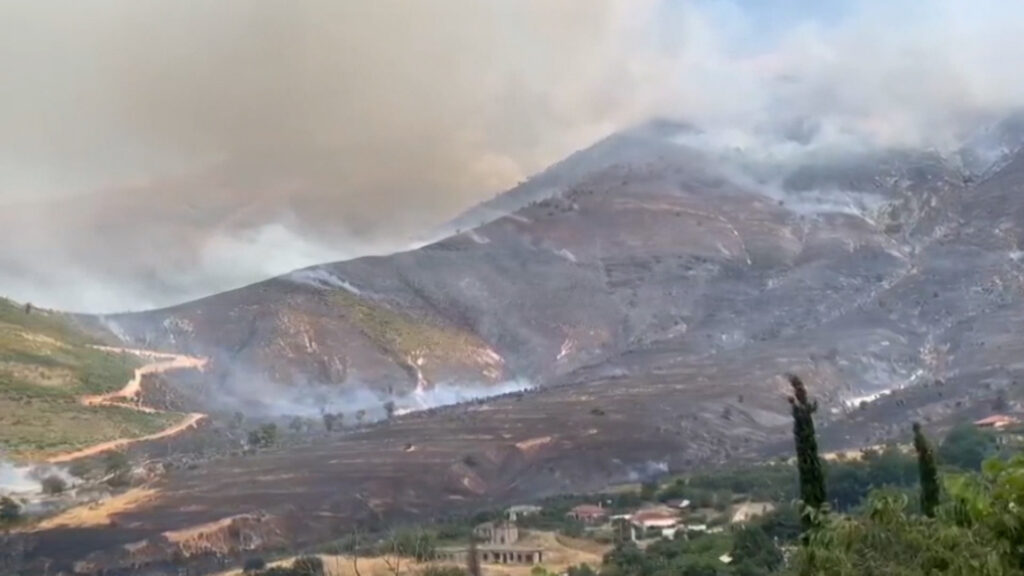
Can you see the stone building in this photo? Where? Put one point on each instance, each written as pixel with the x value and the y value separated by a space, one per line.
pixel 500 533
pixel 499 545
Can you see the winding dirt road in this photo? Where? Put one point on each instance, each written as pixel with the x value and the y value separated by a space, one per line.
pixel 129 397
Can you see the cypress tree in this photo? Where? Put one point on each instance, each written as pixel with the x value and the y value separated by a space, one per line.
pixel 473 558
pixel 812 476
pixel 928 472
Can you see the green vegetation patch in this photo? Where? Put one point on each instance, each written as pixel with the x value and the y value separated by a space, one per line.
pixel 35 427
pixel 401 334
pixel 46 366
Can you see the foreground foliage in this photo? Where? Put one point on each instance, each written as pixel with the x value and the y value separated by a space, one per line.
pixel 978 531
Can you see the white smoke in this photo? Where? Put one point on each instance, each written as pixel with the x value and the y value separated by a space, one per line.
pixel 180 136
pixel 259 398
pixel 27 479
pixel 14 478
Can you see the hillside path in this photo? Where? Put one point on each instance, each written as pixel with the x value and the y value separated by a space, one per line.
pixel 129 397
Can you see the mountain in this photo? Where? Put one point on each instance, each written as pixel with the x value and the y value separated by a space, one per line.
pixel 650 290
pixel 642 249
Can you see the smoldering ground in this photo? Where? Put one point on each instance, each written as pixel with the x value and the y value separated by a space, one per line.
pixel 168 131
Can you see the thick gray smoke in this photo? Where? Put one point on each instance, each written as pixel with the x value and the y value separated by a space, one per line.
pixel 27 480
pixel 152 151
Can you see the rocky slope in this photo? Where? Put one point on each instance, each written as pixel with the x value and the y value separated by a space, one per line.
pixel 637 254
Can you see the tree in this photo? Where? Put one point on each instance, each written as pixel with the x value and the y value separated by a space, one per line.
pixel 977 531
pixel 967 447
pixel 360 415
pixel 253 565
pixel 296 425
pixel 581 570
pixel 389 409
pixel 115 462
pixel 308 566
pixel 752 545
pixel 812 477
pixel 53 484
pixel 473 559
pixel 263 437
pixel 443 571
pixel 928 472
pixel 648 490
pixel 331 420
pixel 10 511
pixel 1001 403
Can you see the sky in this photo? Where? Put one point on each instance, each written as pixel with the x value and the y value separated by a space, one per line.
pixel 153 152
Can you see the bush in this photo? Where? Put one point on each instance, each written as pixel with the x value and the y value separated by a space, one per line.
pixel 10 511
pixel 308 566
pixel 54 484
pixel 444 571
pixel 263 437
pixel 966 447
pixel 581 570
pixel 572 529
pixel 115 462
pixel 80 468
pixel 253 565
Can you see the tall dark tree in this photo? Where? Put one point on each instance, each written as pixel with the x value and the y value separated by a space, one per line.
pixel 473 558
pixel 812 476
pixel 928 472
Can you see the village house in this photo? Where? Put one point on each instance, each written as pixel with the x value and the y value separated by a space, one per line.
pixel 498 533
pixel 499 545
pixel 588 514
pixel 996 422
pixel 522 510
pixel 662 519
pixel 678 503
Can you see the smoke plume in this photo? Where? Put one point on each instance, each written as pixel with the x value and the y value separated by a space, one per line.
pixel 155 151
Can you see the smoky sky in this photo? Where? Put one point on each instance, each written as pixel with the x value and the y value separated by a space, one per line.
pixel 158 150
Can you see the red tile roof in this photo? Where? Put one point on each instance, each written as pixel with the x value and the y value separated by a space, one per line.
pixel 588 510
pixel 996 420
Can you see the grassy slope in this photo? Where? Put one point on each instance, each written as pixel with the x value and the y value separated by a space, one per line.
pixel 45 366
pixel 404 336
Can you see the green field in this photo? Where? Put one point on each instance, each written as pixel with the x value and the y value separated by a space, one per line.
pixel 46 364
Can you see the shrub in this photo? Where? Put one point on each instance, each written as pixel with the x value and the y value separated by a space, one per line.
pixel 115 462
pixel 308 566
pixel 263 437
pixel 10 511
pixel 253 565
pixel 54 484
pixel 80 468
pixel 444 571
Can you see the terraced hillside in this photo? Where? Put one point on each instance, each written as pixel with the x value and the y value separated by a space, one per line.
pixel 46 366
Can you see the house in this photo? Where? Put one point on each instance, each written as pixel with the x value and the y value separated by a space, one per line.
pixel 500 533
pixel 663 519
pixel 522 510
pixel 996 422
pixel 492 555
pixel 499 546
pixel 588 514
pixel 654 518
pixel 678 503
pixel 749 510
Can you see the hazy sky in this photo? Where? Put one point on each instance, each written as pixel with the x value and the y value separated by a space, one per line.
pixel 325 127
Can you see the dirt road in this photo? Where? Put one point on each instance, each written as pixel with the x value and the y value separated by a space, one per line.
pixel 128 397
